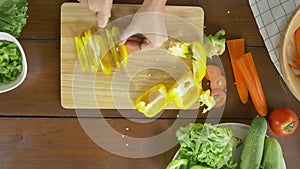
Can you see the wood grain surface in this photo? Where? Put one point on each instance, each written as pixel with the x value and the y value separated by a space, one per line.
pixel 123 86
pixel 37 132
pixel 62 143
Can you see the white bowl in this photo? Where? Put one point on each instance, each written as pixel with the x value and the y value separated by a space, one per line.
pixel 12 85
pixel 240 131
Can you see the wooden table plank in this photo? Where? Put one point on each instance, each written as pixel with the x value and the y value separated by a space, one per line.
pixel 36 132
pixel 61 143
pixel 235 17
pixel 39 95
pixel 44 18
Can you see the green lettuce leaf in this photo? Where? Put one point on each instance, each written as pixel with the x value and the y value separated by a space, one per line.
pixel 13 16
pixel 207 145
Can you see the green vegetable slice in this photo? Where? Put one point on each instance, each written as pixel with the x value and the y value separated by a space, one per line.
pixel 207 146
pixel 10 61
pixel 13 16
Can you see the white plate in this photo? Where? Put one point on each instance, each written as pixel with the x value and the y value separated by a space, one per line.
pixel 239 130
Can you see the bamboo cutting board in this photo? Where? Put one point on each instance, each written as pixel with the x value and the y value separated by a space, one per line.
pixel 100 91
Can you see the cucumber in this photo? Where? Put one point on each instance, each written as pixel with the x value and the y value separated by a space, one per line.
pixel 272 157
pixel 254 144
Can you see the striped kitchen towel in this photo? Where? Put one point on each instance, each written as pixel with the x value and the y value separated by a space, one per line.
pixel 271 17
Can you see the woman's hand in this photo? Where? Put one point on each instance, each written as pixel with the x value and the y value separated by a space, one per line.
pixel 148 22
pixel 102 8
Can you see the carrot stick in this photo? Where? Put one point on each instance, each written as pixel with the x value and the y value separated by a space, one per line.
pixel 294 66
pixel 236 49
pixel 296 62
pixel 247 68
pixel 297 42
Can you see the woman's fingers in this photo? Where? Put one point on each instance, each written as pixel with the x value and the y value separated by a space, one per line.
pixel 102 18
pixel 102 8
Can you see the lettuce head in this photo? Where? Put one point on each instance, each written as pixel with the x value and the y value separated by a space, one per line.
pixel 206 145
pixel 13 16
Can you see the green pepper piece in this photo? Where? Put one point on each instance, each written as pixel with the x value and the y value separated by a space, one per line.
pixel 200 167
pixel 3 64
pixel 15 73
pixel 19 68
pixel 215 44
pixel 14 57
pixel 10 61
pixel 5 79
pixel 13 78
pixel 3 70
pixel 8 74
pixel 5 57
pixel 176 164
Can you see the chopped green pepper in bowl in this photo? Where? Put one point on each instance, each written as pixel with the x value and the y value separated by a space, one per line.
pixel 13 65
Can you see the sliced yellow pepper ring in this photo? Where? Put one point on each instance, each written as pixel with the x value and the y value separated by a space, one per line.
pixel 179 49
pixel 93 53
pixel 199 64
pixel 123 54
pixel 206 99
pixel 199 70
pixel 83 61
pixel 185 92
pixel 113 49
pixel 115 32
pixel 152 101
pixel 104 54
pixel 88 50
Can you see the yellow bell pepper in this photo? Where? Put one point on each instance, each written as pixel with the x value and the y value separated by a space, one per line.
pixel 199 62
pixel 152 101
pixel 179 49
pixel 206 99
pixel 83 60
pixel 115 32
pixel 123 54
pixel 93 53
pixel 104 54
pixel 113 49
pixel 185 92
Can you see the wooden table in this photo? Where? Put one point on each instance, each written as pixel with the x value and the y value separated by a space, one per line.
pixel 37 132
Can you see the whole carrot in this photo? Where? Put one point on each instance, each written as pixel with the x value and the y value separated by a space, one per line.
pixel 247 68
pixel 236 49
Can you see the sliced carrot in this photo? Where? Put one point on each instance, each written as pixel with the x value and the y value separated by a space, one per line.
pixel 236 50
pixel 294 66
pixel 218 82
pixel 214 75
pixel 248 70
pixel 297 42
pixel 206 75
pixel 219 97
pixel 296 62
pixel 212 72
